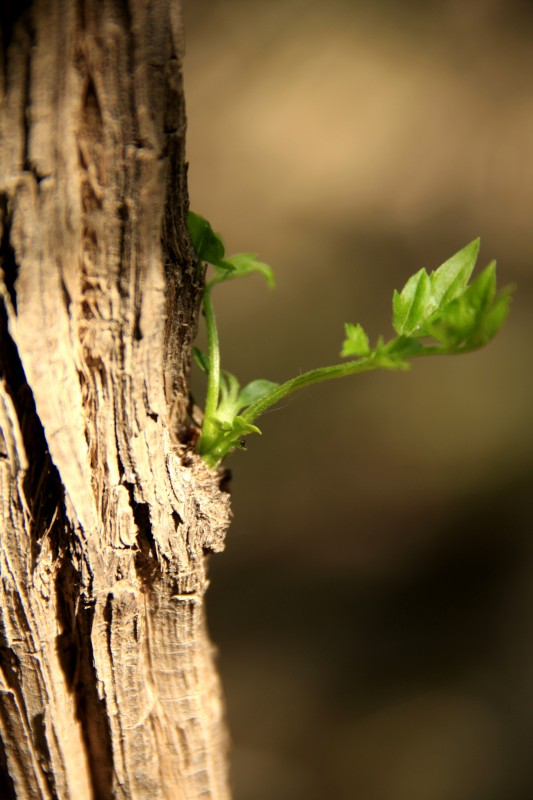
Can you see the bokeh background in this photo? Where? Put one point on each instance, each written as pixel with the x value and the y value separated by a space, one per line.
pixel 374 607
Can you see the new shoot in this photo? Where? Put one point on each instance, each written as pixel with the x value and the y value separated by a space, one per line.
pixel 440 313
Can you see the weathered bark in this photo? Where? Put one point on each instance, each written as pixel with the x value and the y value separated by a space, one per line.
pixel 107 683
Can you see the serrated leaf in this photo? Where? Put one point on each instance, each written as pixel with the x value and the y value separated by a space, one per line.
pixel 201 359
pixel 356 342
pixel 412 305
pixel 246 263
pixel 254 391
pixel 450 279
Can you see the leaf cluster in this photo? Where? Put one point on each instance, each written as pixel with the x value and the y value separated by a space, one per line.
pixel 435 313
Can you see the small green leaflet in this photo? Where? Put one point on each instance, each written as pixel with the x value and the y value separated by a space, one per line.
pixel 356 342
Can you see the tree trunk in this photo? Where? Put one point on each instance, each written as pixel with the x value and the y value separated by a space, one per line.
pixel 107 683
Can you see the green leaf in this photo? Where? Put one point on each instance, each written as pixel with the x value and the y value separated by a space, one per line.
pixel 207 244
pixel 412 305
pixel 246 263
pixel 451 278
pixel 254 391
pixel 201 359
pixel 356 342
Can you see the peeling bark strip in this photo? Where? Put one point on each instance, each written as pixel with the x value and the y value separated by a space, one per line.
pixel 107 684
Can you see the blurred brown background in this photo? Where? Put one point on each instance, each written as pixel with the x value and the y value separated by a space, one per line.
pixel 374 607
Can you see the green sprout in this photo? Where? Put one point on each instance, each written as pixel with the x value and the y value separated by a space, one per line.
pixel 440 313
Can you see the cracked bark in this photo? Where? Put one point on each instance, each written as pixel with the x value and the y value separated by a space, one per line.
pixel 107 682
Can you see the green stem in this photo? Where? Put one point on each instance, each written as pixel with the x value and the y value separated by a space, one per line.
pixel 363 364
pixel 306 379
pixel 209 429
